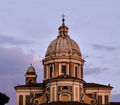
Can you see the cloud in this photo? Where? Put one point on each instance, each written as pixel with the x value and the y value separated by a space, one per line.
pixel 13 65
pixel 11 40
pixel 115 98
pixel 88 70
pixel 13 60
pixel 103 47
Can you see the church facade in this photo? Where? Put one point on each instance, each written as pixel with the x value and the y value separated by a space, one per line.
pixel 63 77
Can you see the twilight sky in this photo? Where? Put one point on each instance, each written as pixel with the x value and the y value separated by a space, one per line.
pixel 28 26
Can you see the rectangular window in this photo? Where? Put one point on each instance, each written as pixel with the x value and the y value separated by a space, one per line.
pixel 64 69
pixel 76 71
pixel 106 99
pixel 27 99
pixel 20 99
pixel 99 100
pixel 95 94
pixel 51 70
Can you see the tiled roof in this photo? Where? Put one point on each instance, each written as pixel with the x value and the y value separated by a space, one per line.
pixel 96 85
pixel 87 85
pixel 30 85
pixel 65 103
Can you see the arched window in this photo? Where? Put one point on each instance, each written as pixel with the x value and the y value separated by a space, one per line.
pixel 64 69
pixel 76 71
pixel 30 81
pixel 65 88
pixel 51 70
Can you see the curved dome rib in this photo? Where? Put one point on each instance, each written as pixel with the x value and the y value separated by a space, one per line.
pixel 63 44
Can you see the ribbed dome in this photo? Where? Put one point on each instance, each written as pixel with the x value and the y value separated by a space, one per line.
pixel 30 70
pixel 63 44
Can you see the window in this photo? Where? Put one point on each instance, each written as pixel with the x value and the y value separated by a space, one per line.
pixel 51 70
pixel 106 99
pixel 65 88
pixel 27 100
pixel 20 99
pixel 64 69
pixel 90 94
pixel 76 71
pixel 36 94
pixel 95 94
pixel 99 100
pixel 30 81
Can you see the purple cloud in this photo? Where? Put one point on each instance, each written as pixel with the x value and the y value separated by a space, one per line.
pixel 88 70
pixel 14 59
pixel 11 40
pixel 115 98
pixel 13 65
pixel 103 47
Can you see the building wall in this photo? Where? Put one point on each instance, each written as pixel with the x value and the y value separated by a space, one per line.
pixel 73 90
pixel 100 92
pixel 26 92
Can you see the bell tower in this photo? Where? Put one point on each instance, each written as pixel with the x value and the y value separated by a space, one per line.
pixel 31 75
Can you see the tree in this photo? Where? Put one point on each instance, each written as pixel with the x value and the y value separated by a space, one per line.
pixel 3 99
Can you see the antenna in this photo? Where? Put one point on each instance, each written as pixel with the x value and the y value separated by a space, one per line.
pixel 84 57
pixel 41 58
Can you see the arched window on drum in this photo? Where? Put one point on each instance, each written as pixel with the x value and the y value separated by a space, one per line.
pixel 51 71
pixel 76 71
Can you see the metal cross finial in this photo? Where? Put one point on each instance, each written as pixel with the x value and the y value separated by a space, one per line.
pixel 63 18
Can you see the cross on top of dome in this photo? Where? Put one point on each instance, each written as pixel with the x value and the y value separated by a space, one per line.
pixel 63 30
pixel 63 19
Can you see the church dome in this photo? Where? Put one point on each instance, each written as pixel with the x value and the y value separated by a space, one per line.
pixel 63 43
pixel 31 70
